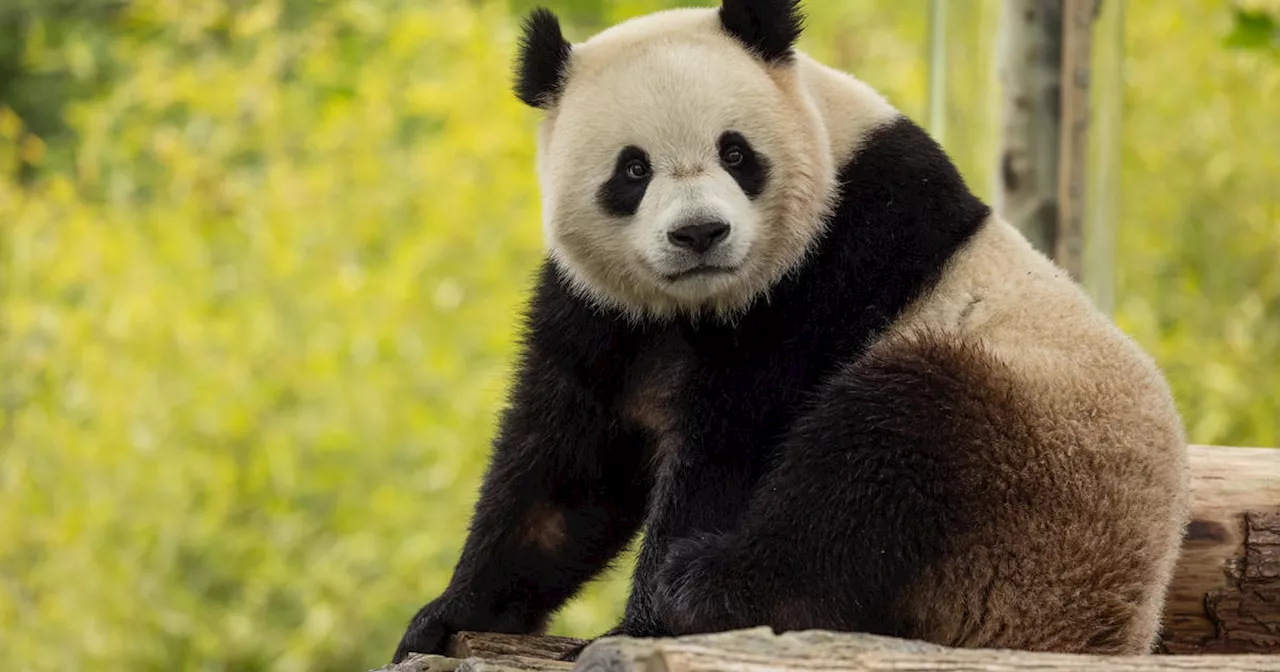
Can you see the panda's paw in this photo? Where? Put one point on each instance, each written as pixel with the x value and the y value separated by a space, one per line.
pixel 702 587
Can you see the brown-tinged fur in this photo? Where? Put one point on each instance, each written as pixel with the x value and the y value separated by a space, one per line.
pixel 546 528
pixel 650 400
pixel 1077 450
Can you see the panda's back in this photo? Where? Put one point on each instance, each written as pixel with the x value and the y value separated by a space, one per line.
pixel 998 293
pixel 1072 451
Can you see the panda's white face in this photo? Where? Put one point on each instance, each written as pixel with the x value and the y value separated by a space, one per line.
pixel 679 174
pixel 687 212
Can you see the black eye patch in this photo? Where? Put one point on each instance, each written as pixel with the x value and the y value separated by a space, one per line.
pixel 748 168
pixel 621 195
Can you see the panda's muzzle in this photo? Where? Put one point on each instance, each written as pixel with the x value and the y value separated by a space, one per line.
pixel 699 237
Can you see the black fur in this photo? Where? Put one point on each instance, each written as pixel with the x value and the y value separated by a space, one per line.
pixel 868 488
pixel 752 174
pixel 558 445
pixel 620 196
pixel 768 28
pixel 543 62
pixel 754 410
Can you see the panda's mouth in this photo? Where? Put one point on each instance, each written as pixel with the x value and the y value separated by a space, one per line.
pixel 700 271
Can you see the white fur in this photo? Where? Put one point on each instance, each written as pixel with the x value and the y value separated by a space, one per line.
pixel 672 83
pixel 673 200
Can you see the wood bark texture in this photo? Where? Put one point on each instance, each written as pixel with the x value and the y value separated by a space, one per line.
pixel 1225 596
pixel 494 652
pixel 760 650
pixel 1030 68
pixel 488 645
pixel 1077 43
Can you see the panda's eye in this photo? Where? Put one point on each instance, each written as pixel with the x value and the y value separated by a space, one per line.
pixel 636 169
pixel 732 156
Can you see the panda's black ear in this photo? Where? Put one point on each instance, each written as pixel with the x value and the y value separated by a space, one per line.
pixel 543 61
pixel 769 28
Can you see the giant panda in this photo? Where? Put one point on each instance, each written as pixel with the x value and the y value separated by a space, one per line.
pixel 775 329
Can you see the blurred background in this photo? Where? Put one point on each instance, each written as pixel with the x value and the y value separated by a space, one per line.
pixel 263 261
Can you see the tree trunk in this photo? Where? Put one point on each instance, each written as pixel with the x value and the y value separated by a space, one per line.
pixel 1030 67
pixel 1077 43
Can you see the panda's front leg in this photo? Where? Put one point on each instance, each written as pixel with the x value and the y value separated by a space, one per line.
pixel 708 583
pixel 681 505
pixel 695 588
pixel 640 618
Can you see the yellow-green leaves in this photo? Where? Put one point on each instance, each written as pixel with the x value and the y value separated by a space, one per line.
pixel 259 309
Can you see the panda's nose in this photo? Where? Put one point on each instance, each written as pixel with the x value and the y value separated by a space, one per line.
pixel 699 237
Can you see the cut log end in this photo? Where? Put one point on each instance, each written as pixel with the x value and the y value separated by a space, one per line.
pixel 1225 595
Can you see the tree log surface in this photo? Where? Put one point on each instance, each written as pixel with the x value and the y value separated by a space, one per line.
pixel 488 645
pixel 760 650
pixel 1225 599
pixel 1225 595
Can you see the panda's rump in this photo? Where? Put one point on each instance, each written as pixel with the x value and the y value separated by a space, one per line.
pixel 965 510
pixel 1065 495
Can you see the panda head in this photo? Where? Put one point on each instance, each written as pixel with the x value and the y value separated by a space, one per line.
pixel 684 167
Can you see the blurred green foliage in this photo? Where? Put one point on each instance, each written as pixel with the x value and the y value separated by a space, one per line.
pixel 262 266
pixel 1255 28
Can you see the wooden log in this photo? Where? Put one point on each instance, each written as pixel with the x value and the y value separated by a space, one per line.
pixel 513 664
pixel 1225 596
pixel 494 652
pixel 616 654
pixel 489 644
pixel 479 663
pixel 760 650
pixel 423 663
